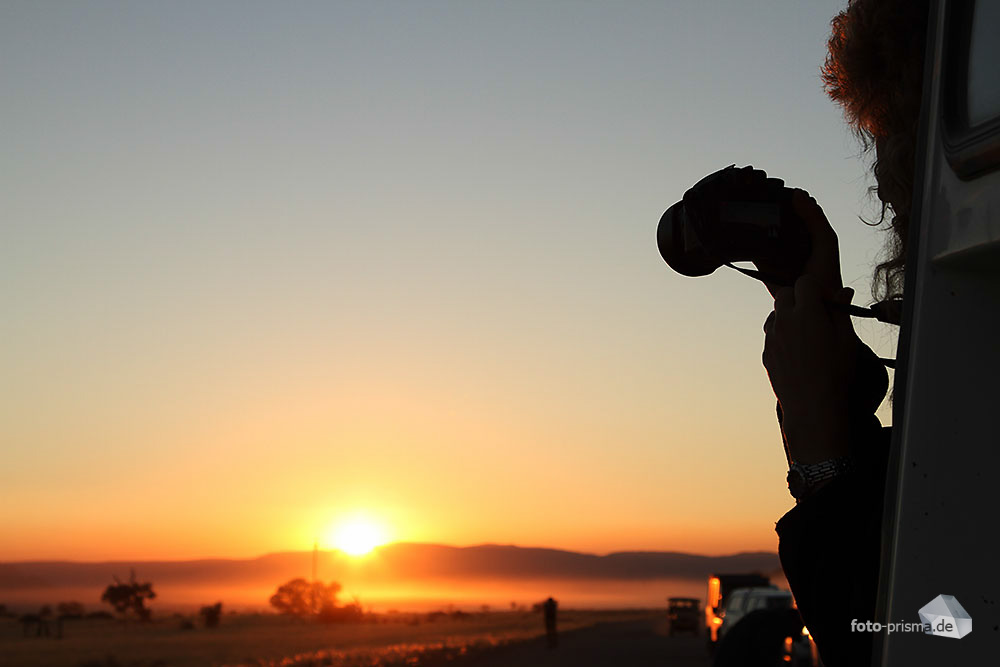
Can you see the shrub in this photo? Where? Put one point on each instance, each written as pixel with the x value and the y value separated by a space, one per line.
pixel 70 609
pixel 349 613
pixel 211 614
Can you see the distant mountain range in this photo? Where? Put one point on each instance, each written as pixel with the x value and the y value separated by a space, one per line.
pixel 390 564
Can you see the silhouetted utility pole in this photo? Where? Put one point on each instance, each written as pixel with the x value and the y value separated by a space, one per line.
pixel 315 555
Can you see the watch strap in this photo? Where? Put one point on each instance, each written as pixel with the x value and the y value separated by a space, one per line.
pixel 803 478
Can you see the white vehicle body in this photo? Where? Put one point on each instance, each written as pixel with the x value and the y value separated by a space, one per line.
pixel 940 527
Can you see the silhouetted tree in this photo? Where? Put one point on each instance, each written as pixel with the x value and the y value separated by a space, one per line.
pixel 130 596
pixel 299 597
pixel 211 614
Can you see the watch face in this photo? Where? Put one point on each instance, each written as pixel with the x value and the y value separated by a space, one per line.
pixel 796 482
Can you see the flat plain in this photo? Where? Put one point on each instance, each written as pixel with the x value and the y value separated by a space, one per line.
pixel 392 639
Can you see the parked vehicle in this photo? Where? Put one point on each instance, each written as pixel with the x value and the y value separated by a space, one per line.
pixel 939 513
pixel 684 615
pixel 719 588
pixel 743 601
pixel 766 637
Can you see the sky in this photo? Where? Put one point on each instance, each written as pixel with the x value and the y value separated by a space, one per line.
pixel 270 267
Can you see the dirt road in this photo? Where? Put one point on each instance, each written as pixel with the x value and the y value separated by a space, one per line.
pixel 631 644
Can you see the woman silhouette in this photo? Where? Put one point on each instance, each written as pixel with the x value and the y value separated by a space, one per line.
pixel 827 383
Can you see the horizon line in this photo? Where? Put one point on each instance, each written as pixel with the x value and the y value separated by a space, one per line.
pixel 382 546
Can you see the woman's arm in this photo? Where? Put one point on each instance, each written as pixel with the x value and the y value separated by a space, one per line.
pixel 810 351
pixel 825 381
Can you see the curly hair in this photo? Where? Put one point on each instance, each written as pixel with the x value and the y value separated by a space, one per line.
pixel 874 69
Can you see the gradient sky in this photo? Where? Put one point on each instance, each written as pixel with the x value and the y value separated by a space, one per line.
pixel 266 265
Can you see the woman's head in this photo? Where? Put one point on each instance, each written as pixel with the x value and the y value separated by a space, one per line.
pixel 874 70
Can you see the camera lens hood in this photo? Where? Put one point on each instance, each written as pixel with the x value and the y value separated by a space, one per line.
pixel 680 248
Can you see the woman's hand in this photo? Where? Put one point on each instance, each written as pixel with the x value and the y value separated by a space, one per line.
pixel 809 353
pixel 823 263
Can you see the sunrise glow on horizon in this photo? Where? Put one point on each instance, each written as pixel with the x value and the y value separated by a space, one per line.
pixel 357 535
pixel 363 273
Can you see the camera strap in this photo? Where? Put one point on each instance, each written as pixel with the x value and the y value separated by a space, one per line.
pixel 889 311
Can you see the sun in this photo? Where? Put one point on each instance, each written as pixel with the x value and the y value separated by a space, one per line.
pixel 357 536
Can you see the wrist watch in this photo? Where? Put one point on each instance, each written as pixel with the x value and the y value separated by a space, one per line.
pixel 804 477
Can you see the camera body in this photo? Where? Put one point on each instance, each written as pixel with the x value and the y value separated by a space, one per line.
pixel 735 214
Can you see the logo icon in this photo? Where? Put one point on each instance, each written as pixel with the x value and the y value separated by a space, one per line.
pixel 946 617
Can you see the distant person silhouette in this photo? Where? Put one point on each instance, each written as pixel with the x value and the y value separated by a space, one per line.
pixel 827 382
pixel 549 607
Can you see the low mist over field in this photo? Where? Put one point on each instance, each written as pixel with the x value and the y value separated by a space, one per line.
pixel 403 576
